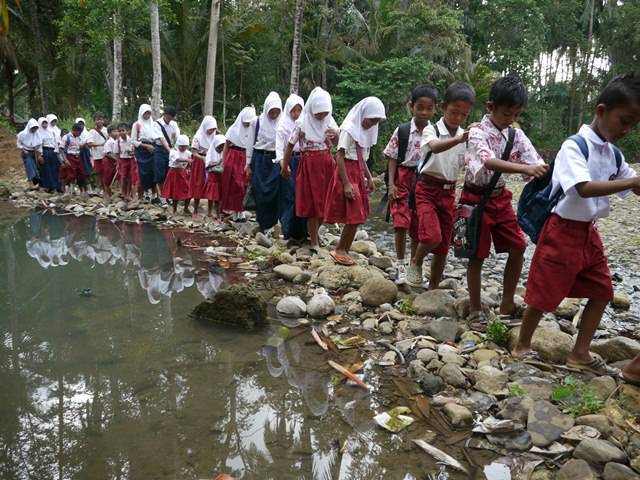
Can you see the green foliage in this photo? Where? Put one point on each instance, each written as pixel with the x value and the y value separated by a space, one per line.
pixel 498 333
pixel 576 398
pixel 516 390
pixel 406 307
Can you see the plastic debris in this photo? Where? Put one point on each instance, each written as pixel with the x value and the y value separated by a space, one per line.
pixel 440 455
pixel 493 425
pixel 554 449
pixel 346 343
pixel 497 471
pixel 394 420
pixel 348 374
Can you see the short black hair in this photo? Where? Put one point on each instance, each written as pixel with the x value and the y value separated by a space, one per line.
pixel 124 126
pixel 169 110
pixel 98 115
pixel 622 90
pixel 459 91
pixel 428 91
pixel 508 91
pixel 111 128
pixel 77 127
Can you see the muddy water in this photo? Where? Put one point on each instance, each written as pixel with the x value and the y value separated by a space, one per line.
pixel 104 375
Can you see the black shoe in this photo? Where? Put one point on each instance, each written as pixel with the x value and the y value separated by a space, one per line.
pixel 155 201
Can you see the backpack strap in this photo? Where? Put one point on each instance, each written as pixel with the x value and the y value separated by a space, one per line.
pixel 164 133
pixel 505 157
pixel 404 131
pixel 255 138
pixel 618 154
pixel 584 149
pixel 421 165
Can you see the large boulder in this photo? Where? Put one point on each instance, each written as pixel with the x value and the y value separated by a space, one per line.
pixel 597 451
pixel 435 303
pixel 321 305
pixel 546 423
pixel 287 272
pixel 377 291
pixel 553 345
pixel 334 277
pixel 616 349
pixel 291 306
pixel 237 305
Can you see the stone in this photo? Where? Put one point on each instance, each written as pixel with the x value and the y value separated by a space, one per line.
pixel 470 336
pixel 426 355
pixel 535 387
pixel 286 257
pixel 239 304
pixel 369 324
pixel 390 357
pixel 574 470
pixel 491 380
pixel 291 306
pixel 435 364
pixel 458 415
pixel 334 277
pixel 618 471
pixel 263 240
pixel 430 383
pixel 603 386
pixel 596 451
pixel 382 262
pixel 448 284
pixel 377 291
pixel 620 303
pixel 435 303
pixel 629 397
pixel 302 278
pixel 516 408
pixel 443 349
pixel 404 345
pixel 453 358
pixel 546 423
pixel 362 235
pixel 553 345
pixel 247 229
pixel 484 354
pixel 541 473
pixel 616 349
pixel 287 272
pixel 443 329
pixel 353 296
pixel 452 375
pixel 386 328
pixel 364 247
pixel 568 308
pixel 320 306
pixel 602 423
pixel 520 441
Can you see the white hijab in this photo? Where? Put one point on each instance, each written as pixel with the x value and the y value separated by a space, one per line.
pixel 42 130
pixel 267 132
pixel 319 101
pixel 182 141
pixel 213 157
pixel 286 123
pixel 203 138
pixel 237 133
pixel 28 139
pixel 370 107
pixel 147 127
pixel 53 130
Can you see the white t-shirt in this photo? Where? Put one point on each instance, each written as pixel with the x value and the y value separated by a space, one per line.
pixel 178 159
pixel 444 165
pixel 125 147
pixel 348 144
pixel 571 168
pixel 110 148
pixel 97 140
pixel 172 129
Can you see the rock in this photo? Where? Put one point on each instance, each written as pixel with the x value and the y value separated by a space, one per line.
pixel 435 364
pixel 574 470
pixel 512 441
pixel 435 303
pixel 454 359
pixel 452 375
pixel 286 258
pixel 247 229
pixel 302 278
pixel 390 356
pixel 596 451
pixel 553 345
pixel 516 408
pixel 364 247
pixel 541 473
pixel 291 306
pixel 546 423
pixel 471 337
pixel 491 380
pixel 334 277
pixel 617 471
pixel 484 354
pixel 377 291
pixel 621 303
pixel 426 355
pixel 480 402
pixel 443 349
pixel 462 305
pixel 404 345
pixel 443 329
pixel 238 304
pixel 448 284
pixel 603 386
pixel 362 235
pixel 263 240
pixel 353 296
pixel 369 324
pixel 321 305
pixel 602 423
pixel 430 383
pixel 568 308
pixel 385 328
pixel 629 397
pixel 616 348
pixel 288 272
pixel 536 388
pixel 382 262
pixel 458 415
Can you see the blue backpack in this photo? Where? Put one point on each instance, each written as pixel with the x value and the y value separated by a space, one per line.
pixel 536 202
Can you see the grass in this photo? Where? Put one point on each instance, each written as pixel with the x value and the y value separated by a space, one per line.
pixel 576 398
pixel 516 390
pixel 498 333
pixel 406 307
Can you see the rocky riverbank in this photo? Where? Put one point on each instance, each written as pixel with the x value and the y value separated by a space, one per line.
pixel 463 391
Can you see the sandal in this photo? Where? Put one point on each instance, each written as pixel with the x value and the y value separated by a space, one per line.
pixel 477 321
pixel 531 358
pixel 628 380
pixel 596 366
pixel 345 260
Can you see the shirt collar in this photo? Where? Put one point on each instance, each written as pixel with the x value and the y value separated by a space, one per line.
pixel 414 127
pixel 490 127
pixel 444 131
pixel 587 132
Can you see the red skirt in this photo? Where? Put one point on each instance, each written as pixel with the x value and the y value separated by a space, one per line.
pixel 212 186
pixel 233 180
pixel 176 185
pixel 339 209
pixel 313 181
pixel 197 178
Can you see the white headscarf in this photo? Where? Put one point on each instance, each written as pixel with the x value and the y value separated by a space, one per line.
pixel 267 132
pixel 286 123
pixel 84 132
pixel 203 138
pixel 370 107
pixel 182 141
pixel 53 130
pixel 42 130
pixel 147 127
pixel 30 140
pixel 213 157
pixel 319 101
pixel 237 133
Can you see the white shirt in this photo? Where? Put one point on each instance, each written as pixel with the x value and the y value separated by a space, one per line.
pixel 301 142
pixel 49 139
pixel 178 159
pixel 110 148
pixel 571 168
pixel 171 128
pixel 413 154
pixel 262 142
pixel 71 144
pixel 125 147
pixel 348 144
pixel 97 140
pixel 444 165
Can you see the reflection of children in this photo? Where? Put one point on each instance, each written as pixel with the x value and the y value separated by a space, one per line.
pixel 214 165
pixel 176 185
pixel 348 197
pixel 569 260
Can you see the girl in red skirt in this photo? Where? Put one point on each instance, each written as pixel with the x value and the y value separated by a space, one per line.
pixel 315 134
pixel 202 140
pixel 348 201
pixel 214 176
pixel 176 185
pixel 239 138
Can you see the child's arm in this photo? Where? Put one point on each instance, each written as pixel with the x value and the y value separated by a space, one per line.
pixel 392 168
pixel 608 187
pixel 342 171
pixel 371 186
pixel 286 158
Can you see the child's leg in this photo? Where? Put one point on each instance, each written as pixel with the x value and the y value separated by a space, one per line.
pixel 209 208
pixel 196 205
pixel 438 263
pixel 401 241
pixel 175 206
pixel 414 247
pixel 346 239
pixel 589 322
pixel 474 283
pixel 313 226
pixel 631 370
pixel 530 321
pixel 186 206
pixel 512 271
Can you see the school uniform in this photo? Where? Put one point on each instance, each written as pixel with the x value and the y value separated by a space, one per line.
pixel 402 216
pixel 170 132
pixel 109 164
pixel 144 132
pixel 31 144
pixel 236 159
pixel 201 143
pixel 74 171
pixel 436 189
pixel 214 161
pixel 85 152
pixel 49 169
pixel 499 222
pixel 569 260
pixel 265 171
pixel 126 164
pixel 97 138
pixel 176 185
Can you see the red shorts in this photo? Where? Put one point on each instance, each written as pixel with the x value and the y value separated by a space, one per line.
pixel 74 172
pixel 125 168
pixel 339 209
pixel 108 170
pixel 435 206
pixel 313 179
pixel 499 224
pixel 569 261
pixel 402 215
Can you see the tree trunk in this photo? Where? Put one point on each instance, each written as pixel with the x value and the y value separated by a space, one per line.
pixel 297 47
pixel 210 81
pixel 156 89
pixel 8 70
pixel 37 38
pixel 224 80
pixel 585 70
pixel 116 113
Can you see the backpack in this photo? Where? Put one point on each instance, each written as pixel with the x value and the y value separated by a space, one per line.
pixel 536 201
pixel 404 131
